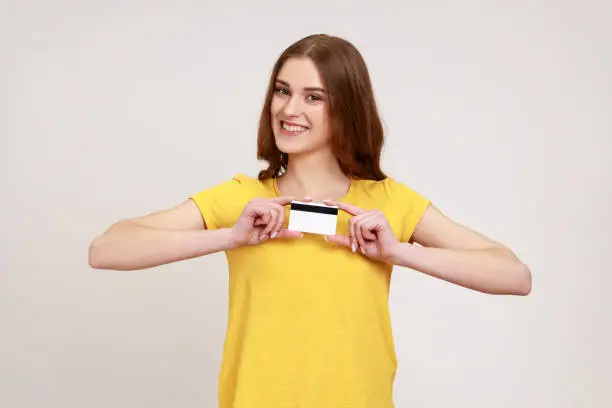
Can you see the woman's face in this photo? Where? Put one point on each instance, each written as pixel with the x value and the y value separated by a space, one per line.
pixel 299 108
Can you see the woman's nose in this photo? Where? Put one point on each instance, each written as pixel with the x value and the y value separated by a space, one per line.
pixel 292 107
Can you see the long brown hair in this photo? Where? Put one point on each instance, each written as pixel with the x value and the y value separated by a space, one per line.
pixel 357 134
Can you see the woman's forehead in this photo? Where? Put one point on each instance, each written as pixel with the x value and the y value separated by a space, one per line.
pixel 300 73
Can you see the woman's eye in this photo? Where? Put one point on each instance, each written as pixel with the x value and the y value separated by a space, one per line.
pixel 313 98
pixel 281 91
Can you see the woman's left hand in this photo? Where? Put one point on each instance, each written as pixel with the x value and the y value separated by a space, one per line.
pixel 370 233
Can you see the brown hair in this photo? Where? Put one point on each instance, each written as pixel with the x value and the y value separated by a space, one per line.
pixel 357 134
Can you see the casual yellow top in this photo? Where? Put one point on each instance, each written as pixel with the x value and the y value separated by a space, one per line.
pixel 308 320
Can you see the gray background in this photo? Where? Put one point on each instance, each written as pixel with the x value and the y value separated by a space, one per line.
pixel 500 112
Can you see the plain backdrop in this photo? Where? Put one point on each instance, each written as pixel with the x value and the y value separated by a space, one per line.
pixel 500 112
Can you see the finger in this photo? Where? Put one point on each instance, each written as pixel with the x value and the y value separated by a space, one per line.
pixel 263 217
pixel 369 227
pixel 353 234
pixel 280 218
pixel 284 200
pixel 273 225
pixel 367 233
pixel 276 221
pixel 359 223
pixel 259 222
pixel 339 239
pixel 285 233
pixel 346 207
pixel 271 220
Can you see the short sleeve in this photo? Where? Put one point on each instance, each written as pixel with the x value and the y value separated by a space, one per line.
pixel 407 206
pixel 222 204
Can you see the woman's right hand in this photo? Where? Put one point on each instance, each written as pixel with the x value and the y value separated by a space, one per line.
pixel 262 219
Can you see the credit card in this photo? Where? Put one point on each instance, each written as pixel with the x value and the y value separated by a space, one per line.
pixel 315 218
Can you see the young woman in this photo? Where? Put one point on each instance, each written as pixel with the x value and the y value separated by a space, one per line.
pixel 308 322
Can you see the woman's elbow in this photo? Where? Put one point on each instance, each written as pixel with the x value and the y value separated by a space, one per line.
pixel 523 280
pixel 103 252
pixel 96 256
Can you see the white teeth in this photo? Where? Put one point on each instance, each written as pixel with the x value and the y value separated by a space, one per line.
pixel 294 128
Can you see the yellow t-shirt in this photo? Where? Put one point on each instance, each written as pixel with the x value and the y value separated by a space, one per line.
pixel 308 320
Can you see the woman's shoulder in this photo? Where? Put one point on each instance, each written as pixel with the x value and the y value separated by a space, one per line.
pixel 245 180
pixel 235 185
pixel 387 185
pixel 244 184
pixel 388 189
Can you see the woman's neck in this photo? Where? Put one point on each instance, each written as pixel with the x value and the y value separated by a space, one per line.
pixel 317 176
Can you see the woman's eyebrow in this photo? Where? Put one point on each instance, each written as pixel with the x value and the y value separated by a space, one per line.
pixel 309 89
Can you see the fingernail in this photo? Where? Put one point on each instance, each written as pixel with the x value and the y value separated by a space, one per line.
pixel 362 250
pixel 263 236
pixel 353 247
pixel 273 235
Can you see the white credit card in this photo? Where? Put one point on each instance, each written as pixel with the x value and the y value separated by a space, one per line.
pixel 316 218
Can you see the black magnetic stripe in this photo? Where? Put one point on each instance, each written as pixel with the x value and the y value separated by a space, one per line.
pixel 314 209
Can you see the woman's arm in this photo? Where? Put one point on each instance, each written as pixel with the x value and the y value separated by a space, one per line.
pixel 166 236
pixel 459 255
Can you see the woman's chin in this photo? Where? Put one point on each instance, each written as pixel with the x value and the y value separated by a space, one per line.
pixel 291 146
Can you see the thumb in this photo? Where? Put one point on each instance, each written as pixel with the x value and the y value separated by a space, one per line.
pixel 339 239
pixel 285 233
